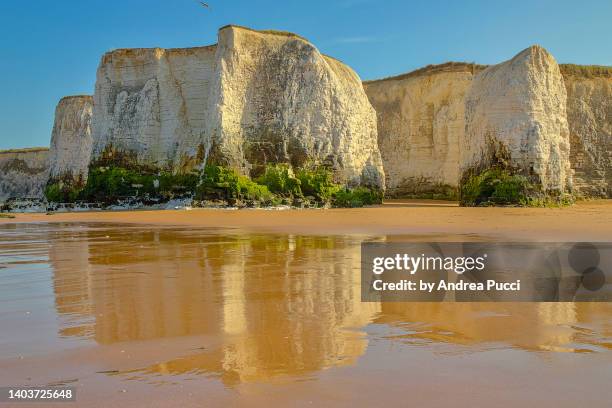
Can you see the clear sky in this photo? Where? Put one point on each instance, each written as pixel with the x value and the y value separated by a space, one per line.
pixel 50 49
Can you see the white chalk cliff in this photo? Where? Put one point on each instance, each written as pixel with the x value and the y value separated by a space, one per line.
pixel 152 104
pixel 516 116
pixel 280 100
pixel 261 97
pixel 71 140
pixel 421 119
pixel 255 97
pixel 515 111
pixel 589 113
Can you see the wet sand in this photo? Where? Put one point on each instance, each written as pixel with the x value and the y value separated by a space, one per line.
pixel 262 308
pixel 590 220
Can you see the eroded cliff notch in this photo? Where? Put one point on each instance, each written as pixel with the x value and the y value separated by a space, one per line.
pixel 421 119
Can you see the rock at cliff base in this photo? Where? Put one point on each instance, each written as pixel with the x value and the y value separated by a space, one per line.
pixel 23 173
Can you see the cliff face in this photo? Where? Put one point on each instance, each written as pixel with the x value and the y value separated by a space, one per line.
pixel 589 111
pixel 151 105
pixel 254 98
pixel 513 112
pixel 23 173
pixel 280 100
pixel 71 140
pixel 261 97
pixel 420 122
pixel 516 115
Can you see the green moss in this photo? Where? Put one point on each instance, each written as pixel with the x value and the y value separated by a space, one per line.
pixel 53 193
pixel 108 184
pixel 178 184
pixel 498 186
pixel 278 184
pixel 64 188
pixel 280 180
pixel 548 201
pixel 357 197
pixel 6 215
pixel 495 186
pixel 224 183
pixel 60 192
pixel 318 183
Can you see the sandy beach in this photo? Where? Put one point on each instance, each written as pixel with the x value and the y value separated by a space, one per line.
pixel 262 307
pixel 158 315
pixel 588 220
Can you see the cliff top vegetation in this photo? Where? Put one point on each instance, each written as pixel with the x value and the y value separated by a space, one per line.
pixel 65 98
pixel 451 66
pixel 273 32
pixel 25 150
pixel 586 71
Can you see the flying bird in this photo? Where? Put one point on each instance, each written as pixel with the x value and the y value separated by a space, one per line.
pixel 205 5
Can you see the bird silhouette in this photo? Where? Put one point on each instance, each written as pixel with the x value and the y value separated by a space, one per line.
pixel 205 5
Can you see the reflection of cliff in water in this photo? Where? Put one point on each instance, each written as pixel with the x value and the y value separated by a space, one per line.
pixel 275 304
pixel 562 326
pixel 525 325
pixel 280 304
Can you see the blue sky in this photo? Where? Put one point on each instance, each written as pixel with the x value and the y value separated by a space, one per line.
pixel 50 49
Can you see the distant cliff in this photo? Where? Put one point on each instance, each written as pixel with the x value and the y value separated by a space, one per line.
pixel 23 173
pixel 421 117
pixel 521 111
pixel 589 113
pixel 71 140
pixel 252 99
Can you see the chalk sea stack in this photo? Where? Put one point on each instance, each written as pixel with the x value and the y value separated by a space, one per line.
pixel 516 119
